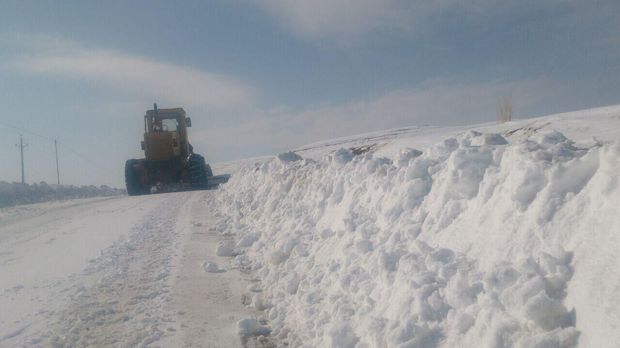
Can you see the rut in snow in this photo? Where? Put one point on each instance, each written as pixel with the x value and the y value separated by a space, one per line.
pixel 123 293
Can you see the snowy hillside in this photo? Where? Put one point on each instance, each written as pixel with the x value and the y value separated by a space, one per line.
pixel 489 236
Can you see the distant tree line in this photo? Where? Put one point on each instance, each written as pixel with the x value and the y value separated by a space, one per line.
pixel 17 193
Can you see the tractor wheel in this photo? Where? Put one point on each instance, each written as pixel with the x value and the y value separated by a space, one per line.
pixel 132 179
pixel 197 170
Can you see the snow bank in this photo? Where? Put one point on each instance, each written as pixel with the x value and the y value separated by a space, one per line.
pixel 478 241
pixel 17 193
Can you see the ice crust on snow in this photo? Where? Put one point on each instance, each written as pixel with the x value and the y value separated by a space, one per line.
pixel 473 242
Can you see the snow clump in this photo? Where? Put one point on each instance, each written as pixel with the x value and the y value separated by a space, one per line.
pixel 289 157
pixel 251 327
pixel 225 247
pixel 212 267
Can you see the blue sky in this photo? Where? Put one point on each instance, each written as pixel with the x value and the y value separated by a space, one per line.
pixel 260 77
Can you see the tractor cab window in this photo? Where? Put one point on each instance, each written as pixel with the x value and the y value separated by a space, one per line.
pixel 169 125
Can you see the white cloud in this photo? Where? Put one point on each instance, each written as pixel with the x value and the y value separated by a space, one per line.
pixel 338 18
pixel 140 76
pixel 351 20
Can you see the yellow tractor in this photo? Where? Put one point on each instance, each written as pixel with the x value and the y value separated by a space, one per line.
pixel 170 163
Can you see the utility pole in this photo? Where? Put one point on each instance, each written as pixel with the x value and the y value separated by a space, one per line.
pixel 57 169
pixel 21 151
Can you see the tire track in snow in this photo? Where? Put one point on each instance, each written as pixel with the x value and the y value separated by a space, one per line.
pixel 120 297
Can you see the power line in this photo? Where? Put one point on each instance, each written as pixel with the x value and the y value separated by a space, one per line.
pixel 56 143
pixel 24 130
pixel 81 156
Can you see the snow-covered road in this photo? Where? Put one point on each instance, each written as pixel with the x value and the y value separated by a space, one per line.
pixel 115 271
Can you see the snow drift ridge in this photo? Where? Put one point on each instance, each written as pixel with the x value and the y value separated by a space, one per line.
pixel 478 241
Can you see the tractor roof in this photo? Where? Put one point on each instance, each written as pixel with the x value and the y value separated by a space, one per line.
pixel 163 113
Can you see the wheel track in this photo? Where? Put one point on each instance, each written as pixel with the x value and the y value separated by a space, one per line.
pixel 119 298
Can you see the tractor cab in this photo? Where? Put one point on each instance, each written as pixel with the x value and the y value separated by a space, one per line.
pixel 165 134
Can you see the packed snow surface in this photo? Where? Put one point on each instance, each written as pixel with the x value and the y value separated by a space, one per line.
pixel 117 272
pixel 490 236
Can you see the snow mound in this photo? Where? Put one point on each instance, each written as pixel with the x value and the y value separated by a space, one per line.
pixel 475 242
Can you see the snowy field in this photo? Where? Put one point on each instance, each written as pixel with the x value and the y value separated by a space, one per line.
pixel 496 235
pixel 16 193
